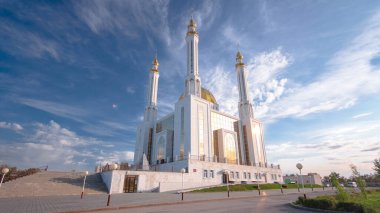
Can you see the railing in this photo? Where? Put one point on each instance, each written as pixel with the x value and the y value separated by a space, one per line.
pixel 214 159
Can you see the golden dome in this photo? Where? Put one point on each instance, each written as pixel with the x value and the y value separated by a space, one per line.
pixel 205 95
pixel 208 96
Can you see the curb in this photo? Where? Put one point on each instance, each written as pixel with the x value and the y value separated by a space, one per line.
pixel 312 209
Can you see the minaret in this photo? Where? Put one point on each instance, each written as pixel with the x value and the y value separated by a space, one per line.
pixel 151 107
pixel 193 82
pixel 252 137
pixel 245 106
pixel 145 138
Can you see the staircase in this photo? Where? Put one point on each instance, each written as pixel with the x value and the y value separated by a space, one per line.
pixel 48 183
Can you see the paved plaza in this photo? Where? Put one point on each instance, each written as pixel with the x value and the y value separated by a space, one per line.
pixel 139 201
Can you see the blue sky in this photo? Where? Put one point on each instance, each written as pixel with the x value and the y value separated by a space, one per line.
pixel 74 74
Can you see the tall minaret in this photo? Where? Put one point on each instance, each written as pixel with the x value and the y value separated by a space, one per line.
pixel 151 107
pixel 145 139
pixel 252 138
pixel 193 82
pixel 245 106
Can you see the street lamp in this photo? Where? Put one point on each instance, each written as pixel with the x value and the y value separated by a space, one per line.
pixel 4 171
pixel 114 167
pixel 226 172
pixel 299 166
pixel 183 170
pixel 84 183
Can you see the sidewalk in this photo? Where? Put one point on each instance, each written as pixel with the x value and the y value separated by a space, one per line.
pixel 94 202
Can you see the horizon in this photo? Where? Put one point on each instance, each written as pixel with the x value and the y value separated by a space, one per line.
pixel 74 76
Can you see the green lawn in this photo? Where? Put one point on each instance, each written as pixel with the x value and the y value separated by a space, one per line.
pixel 372 201
pixel 248 187
pixel 355 202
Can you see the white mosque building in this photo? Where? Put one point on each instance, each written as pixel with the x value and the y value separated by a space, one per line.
pixel 196 145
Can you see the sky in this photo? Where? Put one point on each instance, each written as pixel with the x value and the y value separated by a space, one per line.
pixel 74 77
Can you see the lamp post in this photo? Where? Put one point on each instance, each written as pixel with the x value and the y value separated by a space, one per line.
pixel 226 172
pixel 299 166
pixel 84 183
pixel 183 170
pixel 114 167
pixel 4 171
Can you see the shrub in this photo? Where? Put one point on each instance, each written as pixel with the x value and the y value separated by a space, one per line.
pixel 353 207
pixel 324 202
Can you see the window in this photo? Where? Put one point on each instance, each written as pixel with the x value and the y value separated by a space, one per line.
pixel 245 175
pixel 232 175
pixel 237 175
pixel 259 175
pixel 181 149
pixel 230 148
pixel 256 176
pixel 211 173
pixel 205 173
pixel 201 131
pixel 161 149
pixel 249 175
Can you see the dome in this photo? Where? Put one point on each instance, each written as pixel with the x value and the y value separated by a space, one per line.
pixel 205 95
pixel 208 96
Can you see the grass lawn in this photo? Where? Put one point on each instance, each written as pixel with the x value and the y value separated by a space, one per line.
pixel 355 202
pixel 372 201
pixel 248 187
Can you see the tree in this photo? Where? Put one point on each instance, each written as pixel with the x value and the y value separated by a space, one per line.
pixel 376 167
pixel 340 179
pixel 359 180
pixel 341 194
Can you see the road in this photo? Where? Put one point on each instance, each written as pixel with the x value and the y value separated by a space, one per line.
pixel 279 203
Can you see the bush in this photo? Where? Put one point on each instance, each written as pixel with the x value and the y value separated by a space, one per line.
pixel 324 202
pixel 353 207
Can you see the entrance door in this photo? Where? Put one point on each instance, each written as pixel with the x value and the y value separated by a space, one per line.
pixel 130 183
pixel 225 178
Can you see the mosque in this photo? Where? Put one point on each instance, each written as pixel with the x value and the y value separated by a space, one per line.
pixel 196 145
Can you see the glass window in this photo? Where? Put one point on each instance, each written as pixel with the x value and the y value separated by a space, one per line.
pixel 237 175
pixel 211 173
pixel 160 149
pixel 205 173
pixel 232 175
pixel 245 175
pixel 259 175
pixel 201 131
pixel 181 146
pixel 249 175
pixel 230 148
pixel 256 176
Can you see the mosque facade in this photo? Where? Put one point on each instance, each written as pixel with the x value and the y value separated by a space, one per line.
pixel 197 142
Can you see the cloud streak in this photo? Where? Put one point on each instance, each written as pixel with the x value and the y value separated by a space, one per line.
pixel 12 126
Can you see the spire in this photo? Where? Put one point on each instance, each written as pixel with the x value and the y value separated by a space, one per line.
pixel 239 58
pixel 155 64
pixel 191 28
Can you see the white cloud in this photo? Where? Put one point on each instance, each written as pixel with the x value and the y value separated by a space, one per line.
pixel 60 148
pixel 27 43
pixel 330 149
pixel 12 126
pixel 263 83
pixel 362 115
pixel 131 90
pixel 125 16
pixel 349 76
pixel 55 108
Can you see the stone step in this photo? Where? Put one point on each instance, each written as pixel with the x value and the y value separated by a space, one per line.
pixel 49 183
